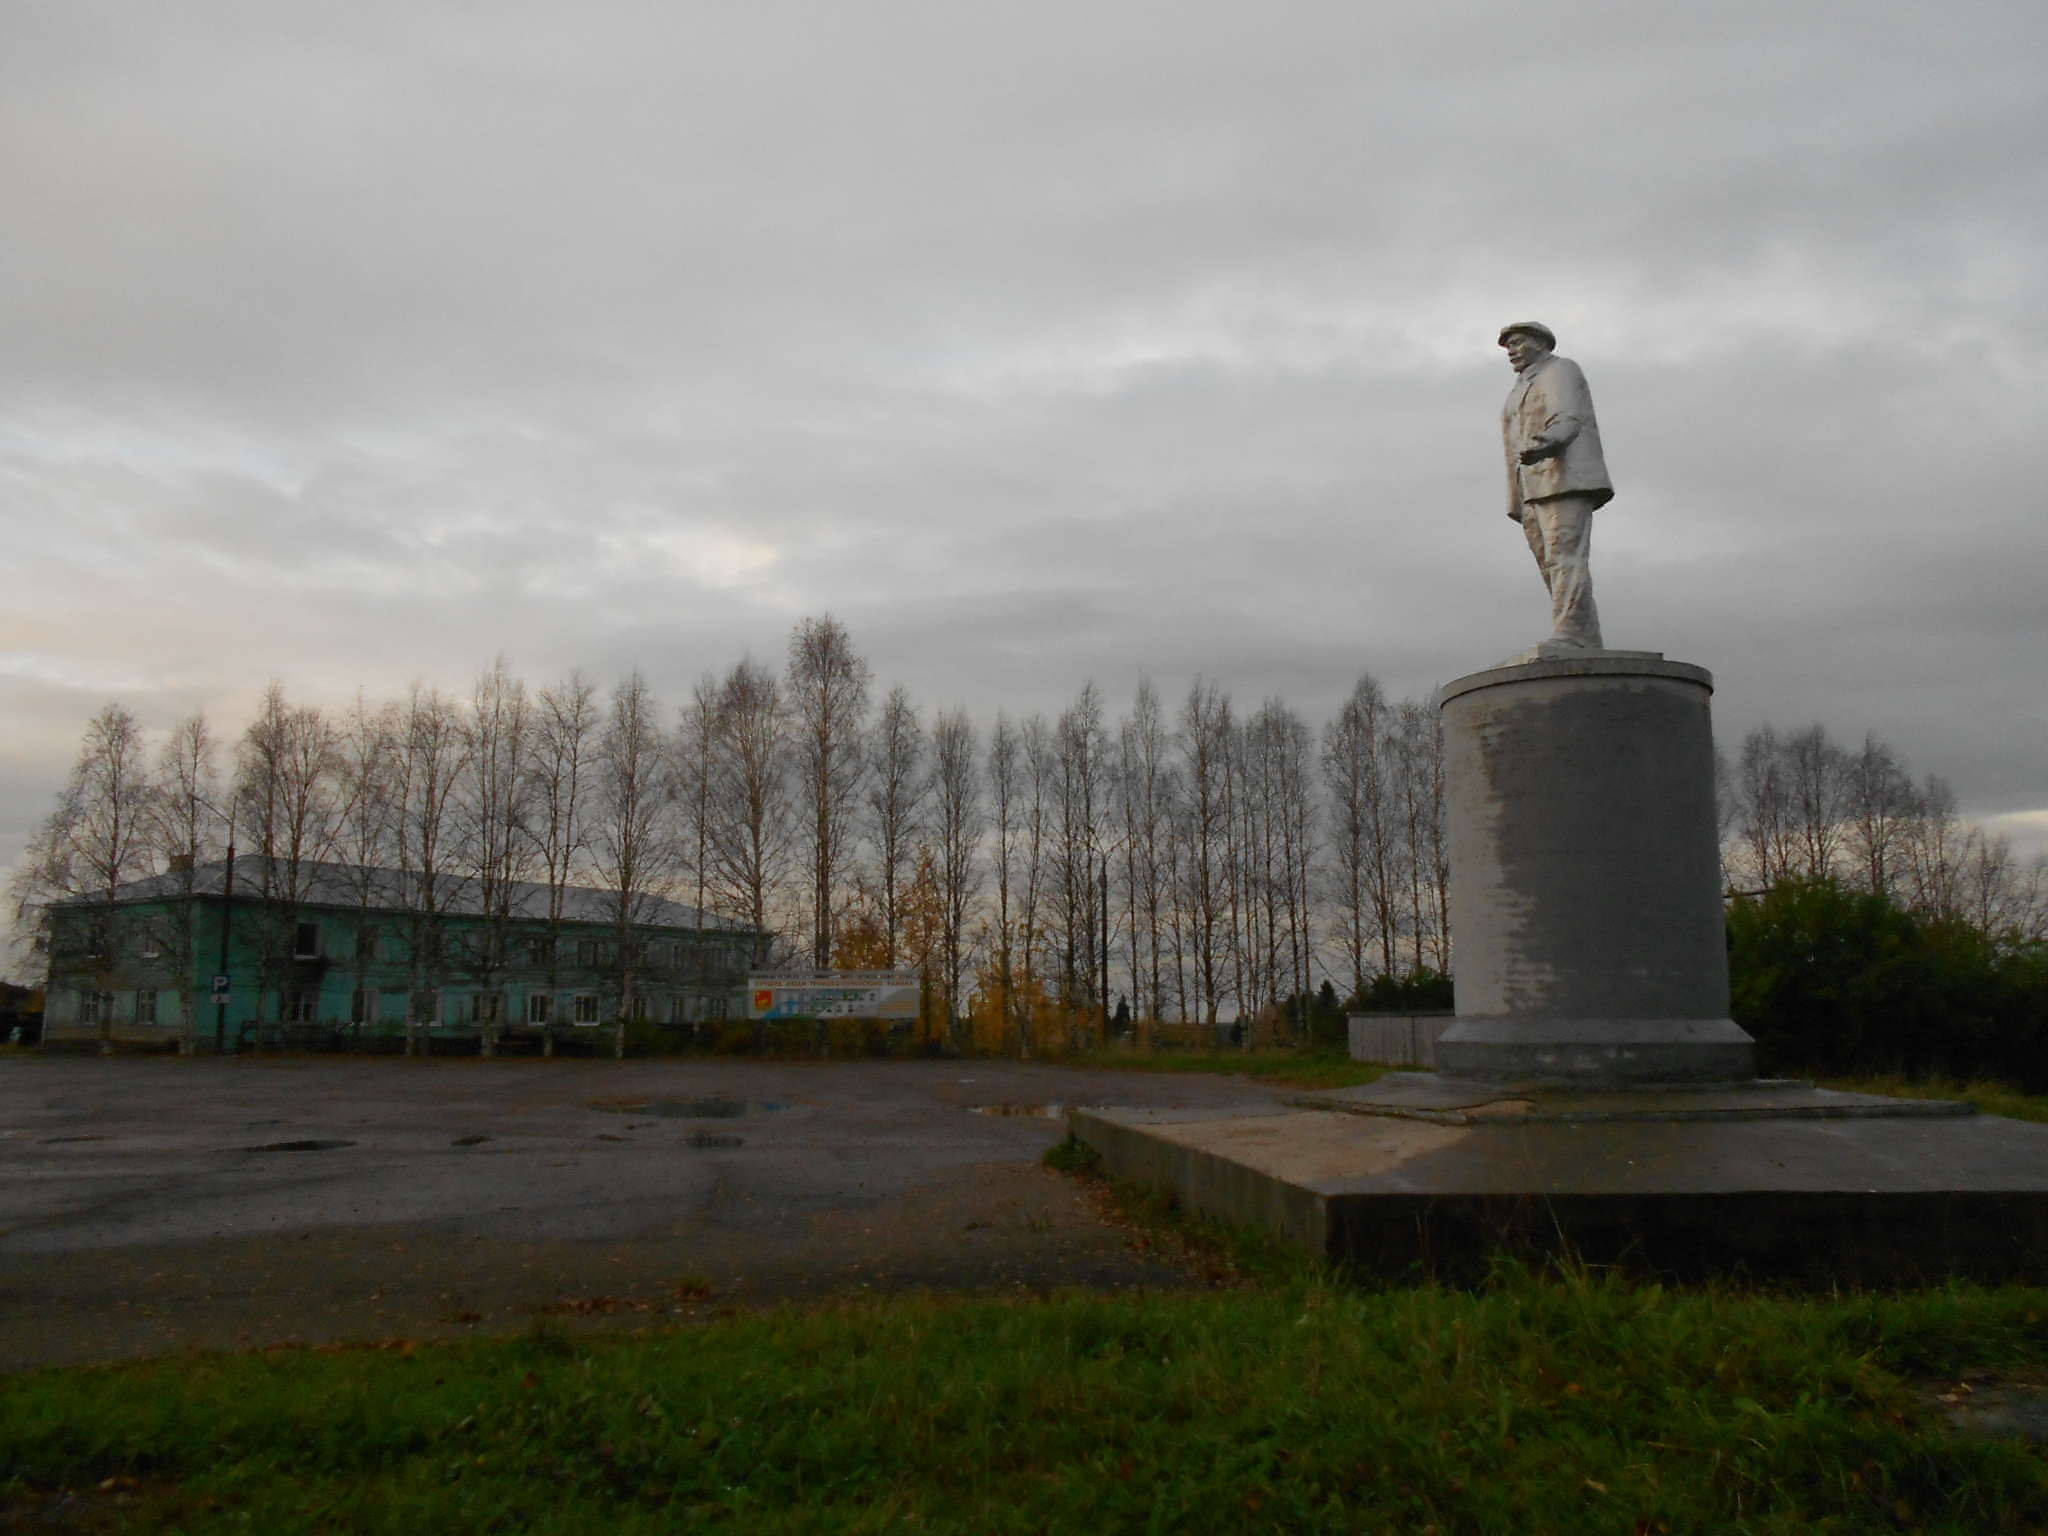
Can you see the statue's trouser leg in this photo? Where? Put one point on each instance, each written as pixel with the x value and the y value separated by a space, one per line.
pixel 1566 523
pixel 1532 530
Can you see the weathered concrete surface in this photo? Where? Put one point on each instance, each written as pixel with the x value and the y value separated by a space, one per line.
pixel 1447 1100
pixel 1585 874
pixel 133 1218
pixel 1874 1200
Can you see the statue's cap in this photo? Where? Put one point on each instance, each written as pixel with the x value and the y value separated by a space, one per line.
pixel 1536 328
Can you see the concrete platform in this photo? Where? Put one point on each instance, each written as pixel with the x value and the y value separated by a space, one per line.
pixel 1422 1176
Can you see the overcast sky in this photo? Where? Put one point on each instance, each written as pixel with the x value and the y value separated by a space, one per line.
pixel 355 343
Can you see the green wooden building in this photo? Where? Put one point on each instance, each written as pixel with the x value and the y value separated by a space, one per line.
pixel 332 954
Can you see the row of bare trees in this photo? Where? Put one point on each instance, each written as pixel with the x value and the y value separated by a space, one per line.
pixel 1186 864
pixel 1803 806
pixel 1178 863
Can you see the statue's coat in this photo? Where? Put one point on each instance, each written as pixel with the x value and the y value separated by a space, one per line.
pixel 1551 400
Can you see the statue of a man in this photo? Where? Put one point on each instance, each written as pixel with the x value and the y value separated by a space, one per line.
pixel 1556 477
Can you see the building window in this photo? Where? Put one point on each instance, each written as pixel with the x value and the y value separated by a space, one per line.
pixel 586 1008
pixel 145 1007
pixel 298 1007
pixel 94 1008
pixel 483 1007
pixel 362 1006
pixel 95 943
pixel 306 942
pixel 366 943
pixel 152 945
pixel 539 953
pixel 540 1008
pixel 587 954
pixel 425 1007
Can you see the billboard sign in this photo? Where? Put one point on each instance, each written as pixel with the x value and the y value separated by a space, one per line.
pixel 833 995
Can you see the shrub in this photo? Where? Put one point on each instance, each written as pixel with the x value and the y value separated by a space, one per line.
pixel 1834 980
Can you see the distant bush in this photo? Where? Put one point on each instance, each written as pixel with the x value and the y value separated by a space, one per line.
pixel 1831 980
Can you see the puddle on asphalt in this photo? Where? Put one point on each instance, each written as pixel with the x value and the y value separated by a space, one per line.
pixel 718 1108
pixel 469 1141
pixel 58 1141
pixel 712 1139
pixel 298 1146
pixel 1030 1111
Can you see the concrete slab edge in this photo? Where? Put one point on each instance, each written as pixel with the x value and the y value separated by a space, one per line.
pixel 1205 1183
pixel 1906 1109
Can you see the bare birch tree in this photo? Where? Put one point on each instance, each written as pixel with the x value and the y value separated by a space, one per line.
pixel 1205 742
pixel 432 757
pixel 184 829
pixel 957 824
pixel 895 803
pixel 828 704
pixel 1817 780
pixel 751 814
pixel 288 800
pixel 1763 825
pixel 367 750
pixel 1041 776
pixel 565 727
pixel 1938 851
pixel 1006 806
pixel 1083 807
pixel 637 851
pixel 1419 753
pixel 491 804
pixel 1880 811
pixel 1145 803
pixel 94 842
pixel 1355 775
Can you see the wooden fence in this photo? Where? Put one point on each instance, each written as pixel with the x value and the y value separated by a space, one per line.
pixel 1397 1039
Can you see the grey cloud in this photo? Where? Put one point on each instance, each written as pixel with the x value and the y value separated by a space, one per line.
pixel 356 343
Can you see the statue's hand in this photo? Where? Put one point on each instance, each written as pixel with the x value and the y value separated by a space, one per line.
pixel 1542 448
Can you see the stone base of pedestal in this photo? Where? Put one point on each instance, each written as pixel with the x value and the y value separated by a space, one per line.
pixel 1585 873
pixel 1425 1176
pixel 1613 1051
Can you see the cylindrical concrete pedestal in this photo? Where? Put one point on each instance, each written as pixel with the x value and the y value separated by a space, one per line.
pixel 1585 863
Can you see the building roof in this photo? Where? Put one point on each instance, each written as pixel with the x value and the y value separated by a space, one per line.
pixel 397 890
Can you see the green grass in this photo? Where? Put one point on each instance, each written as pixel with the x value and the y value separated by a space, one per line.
pixel 1564 1404
pixel 1305 1067
pixel 1990 1098
pixel 1285 1399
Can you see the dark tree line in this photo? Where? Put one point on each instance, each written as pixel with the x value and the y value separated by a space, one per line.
pixel 1870 928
